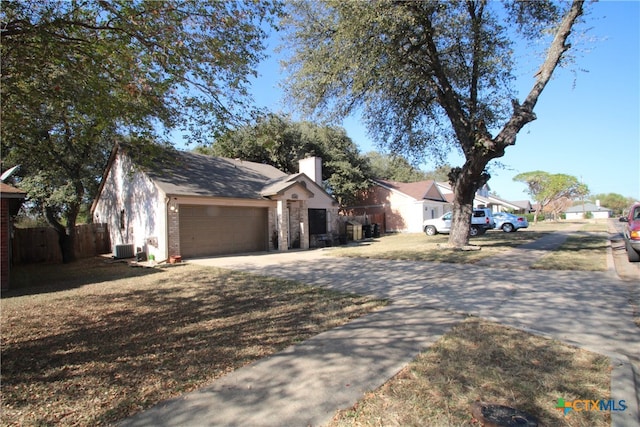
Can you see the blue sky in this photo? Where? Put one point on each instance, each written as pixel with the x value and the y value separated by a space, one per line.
pixel 588 121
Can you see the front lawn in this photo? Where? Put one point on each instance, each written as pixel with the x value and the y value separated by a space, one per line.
pixel 480 360
pixel 98 341
pixel 584 250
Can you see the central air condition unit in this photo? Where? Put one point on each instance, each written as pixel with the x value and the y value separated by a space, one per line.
pixel 123 251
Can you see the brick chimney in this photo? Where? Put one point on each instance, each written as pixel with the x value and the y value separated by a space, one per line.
pixel 312 167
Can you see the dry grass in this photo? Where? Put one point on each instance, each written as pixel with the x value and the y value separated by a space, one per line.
pixel 418 247
pixel 479 360
pixel 98 341
pixel 584 250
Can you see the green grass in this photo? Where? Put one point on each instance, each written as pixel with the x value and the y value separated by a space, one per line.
pixel 584 251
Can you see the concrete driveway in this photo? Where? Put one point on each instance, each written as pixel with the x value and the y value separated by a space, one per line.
pixel 589 309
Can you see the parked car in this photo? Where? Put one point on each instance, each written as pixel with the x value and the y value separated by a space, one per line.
pixel 481 221
pixel 509 222
pixel 632 232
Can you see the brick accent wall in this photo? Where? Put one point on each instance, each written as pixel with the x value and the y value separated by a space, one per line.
pixel 174 231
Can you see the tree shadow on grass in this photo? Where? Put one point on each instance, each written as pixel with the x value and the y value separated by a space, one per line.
pixel 33 279
pixel 101 356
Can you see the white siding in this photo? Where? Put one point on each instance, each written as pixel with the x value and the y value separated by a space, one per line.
pixel 134 208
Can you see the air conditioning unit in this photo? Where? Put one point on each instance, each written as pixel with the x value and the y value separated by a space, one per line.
pixel 123 251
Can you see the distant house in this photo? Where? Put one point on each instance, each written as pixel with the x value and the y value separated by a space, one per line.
pixel 523 206
pixel 177 203
pixel 400 206
pixel 581 211
pixel 403 207
pixel 11 199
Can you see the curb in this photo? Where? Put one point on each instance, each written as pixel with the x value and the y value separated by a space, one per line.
pixel 624 388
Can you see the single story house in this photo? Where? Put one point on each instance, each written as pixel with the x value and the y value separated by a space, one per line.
pixel 580 211
pixel 403 207
pixel 176 203
pixel 399 206
pixel 11 199
pixel 523 207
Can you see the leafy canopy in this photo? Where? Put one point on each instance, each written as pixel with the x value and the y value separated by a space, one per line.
pixel 427 76
pixel 78 75
pixel 548 189
pixel 280 142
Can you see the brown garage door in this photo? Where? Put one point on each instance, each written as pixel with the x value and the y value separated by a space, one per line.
pixel 218 230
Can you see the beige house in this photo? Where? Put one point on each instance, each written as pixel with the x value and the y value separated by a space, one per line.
pixel 403 207
pixel 178 203
pixel 400 206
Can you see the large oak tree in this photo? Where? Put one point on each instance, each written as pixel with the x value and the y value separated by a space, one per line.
pixel 77 75
pixel 427 75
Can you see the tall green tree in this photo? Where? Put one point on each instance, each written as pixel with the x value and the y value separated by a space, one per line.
pixel 546 188
pixel 77 75
pixel 394 168
pixel 427 75
pixel 281 142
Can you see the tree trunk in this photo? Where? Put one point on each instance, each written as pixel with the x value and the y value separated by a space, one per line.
pixel 66 235
pixel 464 182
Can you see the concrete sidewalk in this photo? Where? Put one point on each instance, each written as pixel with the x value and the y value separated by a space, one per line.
pixel 527 254
pixel 306 383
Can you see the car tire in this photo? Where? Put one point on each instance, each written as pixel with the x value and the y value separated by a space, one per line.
pixel 632 254
pixel 508 227
pixel 430 230
pixel 474 231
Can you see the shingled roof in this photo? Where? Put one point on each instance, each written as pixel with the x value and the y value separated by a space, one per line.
pixel 420 190
pixel 191 174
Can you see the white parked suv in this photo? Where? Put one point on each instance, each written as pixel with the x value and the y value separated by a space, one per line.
pixel 481 221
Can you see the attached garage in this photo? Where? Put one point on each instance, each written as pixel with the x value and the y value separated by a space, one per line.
pixel 174 203
pixel 219 230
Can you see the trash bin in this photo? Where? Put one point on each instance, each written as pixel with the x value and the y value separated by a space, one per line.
pixel 354 230
pixel 376 230
pixel 366 231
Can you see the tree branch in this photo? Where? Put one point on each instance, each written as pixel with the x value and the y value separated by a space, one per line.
pixel 523 114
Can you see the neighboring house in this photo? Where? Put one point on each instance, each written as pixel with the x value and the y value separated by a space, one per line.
pixel 11 199
pixel 581 211
pixel 400 206
pixel 523 207
pixel 178 203
pixel 481 200
pixel 496 204
pixel 484 199
pixel 403 207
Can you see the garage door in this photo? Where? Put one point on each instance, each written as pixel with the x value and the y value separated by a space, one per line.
pixel 218 230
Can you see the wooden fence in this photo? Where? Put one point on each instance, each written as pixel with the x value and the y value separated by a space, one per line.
pixel 35 245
